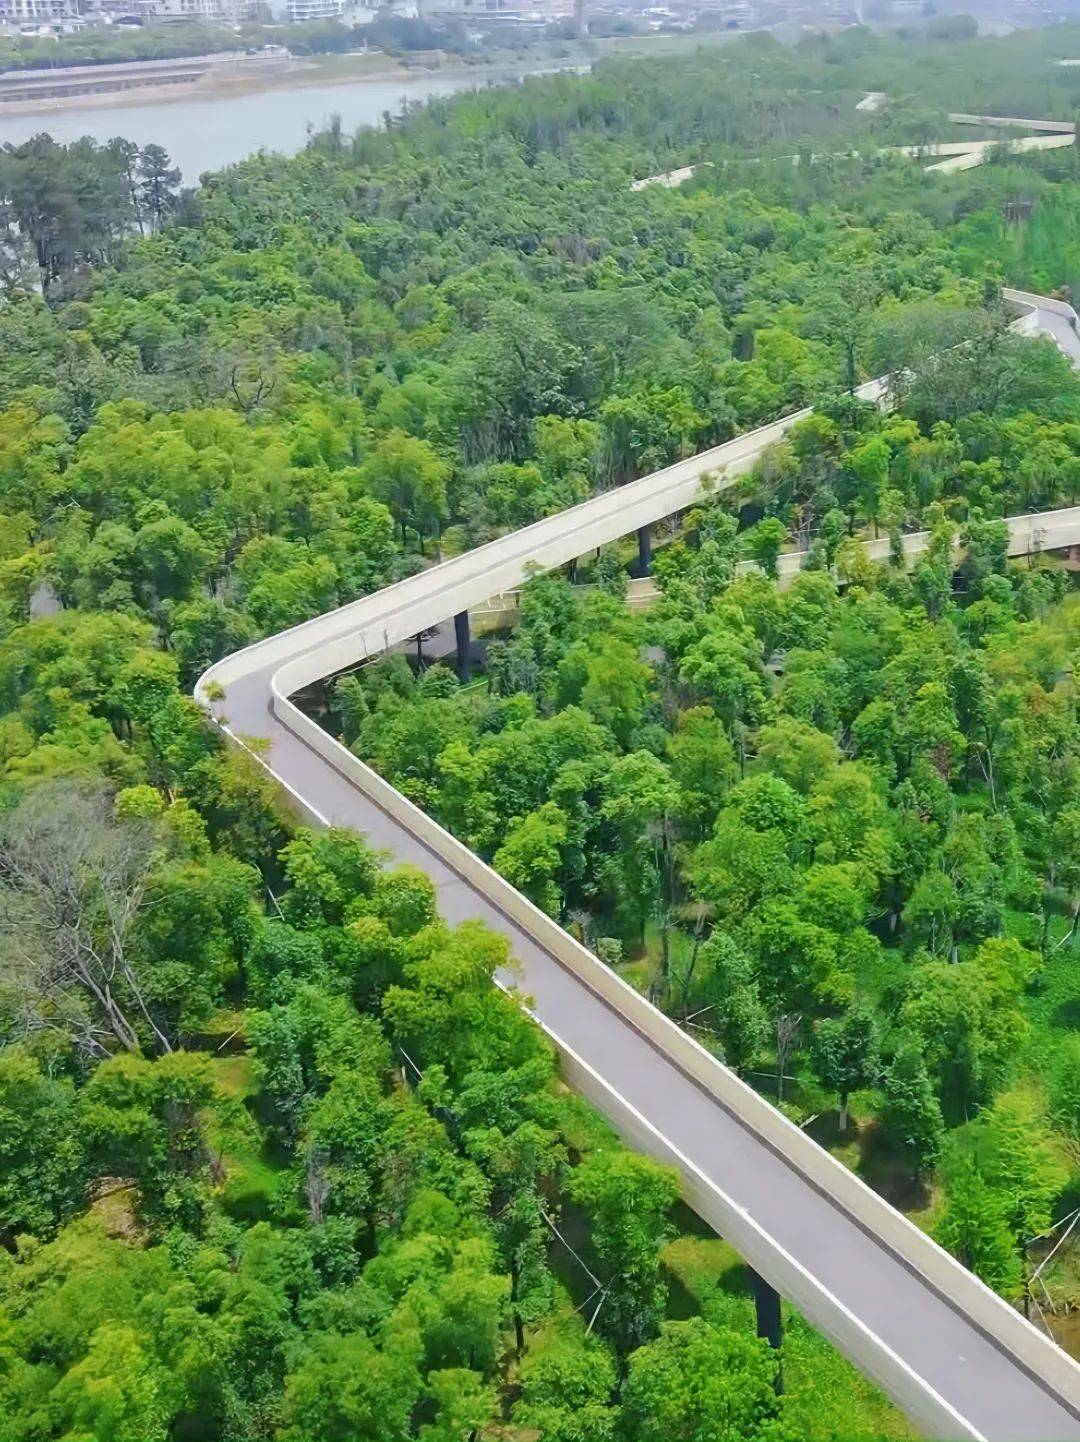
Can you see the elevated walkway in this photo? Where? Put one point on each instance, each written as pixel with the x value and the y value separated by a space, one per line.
pixel 953 1355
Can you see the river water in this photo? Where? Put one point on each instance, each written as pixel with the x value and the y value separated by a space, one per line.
pixel 206 133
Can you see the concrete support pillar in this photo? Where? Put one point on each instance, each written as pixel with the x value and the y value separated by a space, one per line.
pixel 769 1322
pixel 644 551
pixel 461 635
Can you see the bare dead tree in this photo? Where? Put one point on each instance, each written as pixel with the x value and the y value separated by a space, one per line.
pixel 699 912
pixel 72 883
pixel 316 1186
pixel 787 1031
pixel 260 387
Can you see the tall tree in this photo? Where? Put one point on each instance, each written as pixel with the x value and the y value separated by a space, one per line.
pixel 628 1199
pixel 911 1113
pixel 158 187
pixel 702 1384
pixel 845 1053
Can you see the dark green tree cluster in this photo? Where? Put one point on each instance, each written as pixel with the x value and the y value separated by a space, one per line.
pixel 65 208
pixel 343 1227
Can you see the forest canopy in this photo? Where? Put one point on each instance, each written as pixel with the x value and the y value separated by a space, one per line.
pixel 278 1160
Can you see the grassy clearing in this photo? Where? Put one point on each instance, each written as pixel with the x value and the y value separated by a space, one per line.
pixel 250 1173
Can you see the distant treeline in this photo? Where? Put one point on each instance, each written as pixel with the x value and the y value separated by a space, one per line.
pixel 108 46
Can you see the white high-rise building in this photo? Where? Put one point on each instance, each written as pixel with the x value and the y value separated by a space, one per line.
pixel 29 12
pixel 180 10
pixel 315 9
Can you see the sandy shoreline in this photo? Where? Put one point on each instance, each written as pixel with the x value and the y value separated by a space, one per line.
pixel 302 73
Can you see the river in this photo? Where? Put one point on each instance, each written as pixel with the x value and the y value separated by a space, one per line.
pixel 205 133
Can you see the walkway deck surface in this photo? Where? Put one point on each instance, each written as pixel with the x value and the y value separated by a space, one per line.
pixel 899 1327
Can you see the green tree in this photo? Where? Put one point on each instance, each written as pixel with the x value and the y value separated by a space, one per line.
pixel 869 464
pixel 567 1385
pixel 974 1228
pixel 327 871
pixel 702 763
pixel 724 670
pixel 969 1025
pixel 609 682
pixel 531 857
pixel 1020 1159
pixel 642 801
pixel 701 1383
pixel 729 1001
pixel 147 1120
pixel 158 185
pixel 409 477
pixel 1063 1082
pixel 44 1173
pixel 764 543
pixel 847 303
pixel 118 1390
pixel 910 1111
pixel 463 1404
pixel 628 1199
pixel 845 1054
pixel 346 1389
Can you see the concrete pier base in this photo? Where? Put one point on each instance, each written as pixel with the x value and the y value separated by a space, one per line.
pixel 464 641
pixel 769 1321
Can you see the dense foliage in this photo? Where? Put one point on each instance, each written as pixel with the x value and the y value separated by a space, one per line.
pixel 278 1160
pixel 414 332
pixel 856 810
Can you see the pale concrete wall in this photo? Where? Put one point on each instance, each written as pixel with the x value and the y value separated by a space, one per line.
pixel 987 1310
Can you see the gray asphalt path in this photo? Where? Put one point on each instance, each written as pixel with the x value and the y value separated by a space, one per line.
pixel 937 1342
pixel 1062 332
pixel 936 1350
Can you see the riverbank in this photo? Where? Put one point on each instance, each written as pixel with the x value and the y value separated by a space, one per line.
pixel 219 121
pixel 221 82
pixel 311 72
pixel 77 82
pixel 206 130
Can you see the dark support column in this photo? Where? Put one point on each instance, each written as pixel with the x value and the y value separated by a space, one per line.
pixel 769 1323
pixel 644 551
pixel 461 635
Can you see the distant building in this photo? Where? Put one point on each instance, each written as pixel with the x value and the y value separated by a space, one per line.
pixel 736 14
pixel 36 12
pixel 233 12
pixel 179 11
pixel 300 10
pixel 124 12
pixel 228 12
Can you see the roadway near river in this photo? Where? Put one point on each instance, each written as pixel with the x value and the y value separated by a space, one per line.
pixel 955 1357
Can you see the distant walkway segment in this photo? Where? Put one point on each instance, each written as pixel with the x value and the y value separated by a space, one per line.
pixel 1015 122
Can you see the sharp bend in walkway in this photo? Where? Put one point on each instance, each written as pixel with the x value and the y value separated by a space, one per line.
pixel 956 1358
